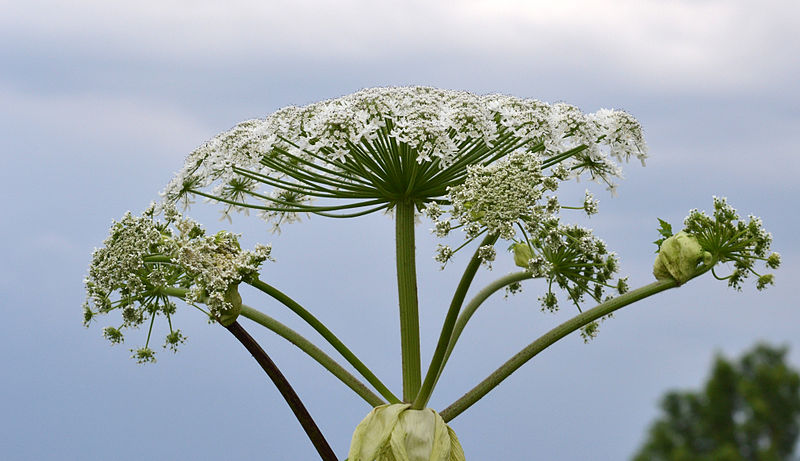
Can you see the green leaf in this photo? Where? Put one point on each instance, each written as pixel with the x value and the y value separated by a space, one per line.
pixel 665 231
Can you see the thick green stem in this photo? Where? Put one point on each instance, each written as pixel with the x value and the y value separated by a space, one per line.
pixel 548 339
pixel 434 370
pixel 289 395
pixel 325 333
pixel 314 352
pixel 476 302
pixel 407 297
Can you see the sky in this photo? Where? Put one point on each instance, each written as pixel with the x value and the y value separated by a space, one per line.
pixel 101 101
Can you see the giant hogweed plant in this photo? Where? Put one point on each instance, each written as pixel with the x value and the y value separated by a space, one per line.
pixel 485 171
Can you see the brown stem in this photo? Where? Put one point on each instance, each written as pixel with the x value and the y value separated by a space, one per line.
pixel 291 397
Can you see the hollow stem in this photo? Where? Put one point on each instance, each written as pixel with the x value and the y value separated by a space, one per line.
pixel 544 341
pixel 434 370
pixel 407 297
pixel 292 399
pixel 325 333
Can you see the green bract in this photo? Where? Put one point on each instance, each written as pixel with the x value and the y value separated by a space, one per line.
pixel 678 258
pixel 398 433
pixel 234 300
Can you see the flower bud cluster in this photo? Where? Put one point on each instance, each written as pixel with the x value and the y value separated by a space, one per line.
pixel 144 262
pixel 727 238
pixel 500 195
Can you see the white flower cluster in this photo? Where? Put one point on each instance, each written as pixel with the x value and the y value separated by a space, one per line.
pixel 497 196
pixel 349 138
pixel 570 257
pixel 119 265
pixel 508 199
pixel 728 238
pixel 143 259
pixel 216 263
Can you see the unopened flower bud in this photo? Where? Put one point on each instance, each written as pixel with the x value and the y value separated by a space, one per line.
pixel 678 258
pixel 765 280
pixel 774 261
pixel 522 254
pixel 404 434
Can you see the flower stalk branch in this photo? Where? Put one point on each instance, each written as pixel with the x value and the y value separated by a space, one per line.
pixel 407 297
pixel 309 318
pixel 302 343
pixel 289 395
pixel 546 340
pixel 314 352
pixel 437 361
pixel 475 303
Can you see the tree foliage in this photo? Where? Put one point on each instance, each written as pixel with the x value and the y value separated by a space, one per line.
pixel 748 410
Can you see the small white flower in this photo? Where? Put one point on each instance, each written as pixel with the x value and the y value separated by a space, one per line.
pixel 590 204
pixel 443 254
pixel 487 254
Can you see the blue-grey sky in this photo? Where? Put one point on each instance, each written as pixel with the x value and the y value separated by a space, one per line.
pixel 101 101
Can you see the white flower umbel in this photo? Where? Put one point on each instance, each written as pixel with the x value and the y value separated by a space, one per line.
pixel 498 196
pixel 380 145
pixel 144 261
pixel 723 237
pixel 507 199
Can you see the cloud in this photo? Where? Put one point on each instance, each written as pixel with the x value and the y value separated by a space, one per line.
pixel 93 118
pixel 712 45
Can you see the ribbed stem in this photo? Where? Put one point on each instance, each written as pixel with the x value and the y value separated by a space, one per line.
pixel 325 333
pixel 434 370
pixel 407 297
pixel 289 395
pixel 544 341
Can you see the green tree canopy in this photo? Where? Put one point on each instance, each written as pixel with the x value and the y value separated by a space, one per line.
pixel 748 410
